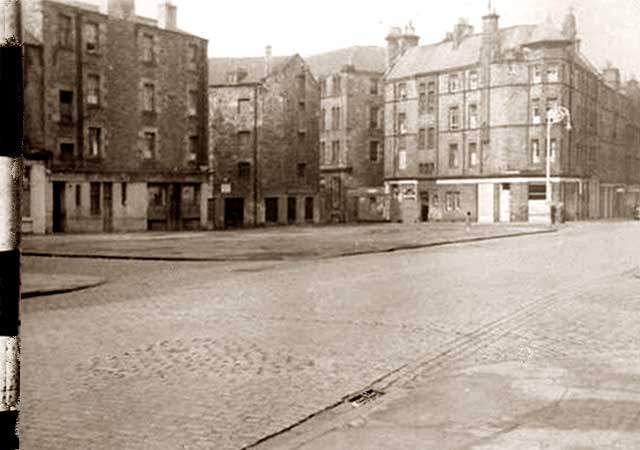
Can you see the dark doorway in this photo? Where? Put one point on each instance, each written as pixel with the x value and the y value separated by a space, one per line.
pixel 308 209
pixel 107 203
pixel 291 210
pixel 211 212
pixel 424 206
pixel 175 215
pixel 233 212
pixel 59 211
pixel 424 213
pixel 271 209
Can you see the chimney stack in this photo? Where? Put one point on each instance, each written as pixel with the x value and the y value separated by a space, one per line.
pixel 461 30
pixel 408 39
pixel 167 15
pixel 612 77
pixel 490 36
pixel 268 58
pixel 393 45
pixel 119 9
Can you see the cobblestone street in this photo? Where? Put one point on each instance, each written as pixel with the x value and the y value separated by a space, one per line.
pixel 201 355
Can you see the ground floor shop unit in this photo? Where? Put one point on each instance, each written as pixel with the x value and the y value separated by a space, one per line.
pixel 509 199
pixel 78 203
pixel 231 210
pixel 342 201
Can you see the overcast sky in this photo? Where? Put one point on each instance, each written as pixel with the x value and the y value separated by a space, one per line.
pixel 609 28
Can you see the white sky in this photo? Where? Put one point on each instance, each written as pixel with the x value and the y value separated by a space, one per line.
pixel 609 28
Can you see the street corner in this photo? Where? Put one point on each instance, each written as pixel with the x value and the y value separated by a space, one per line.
pixel 44 284
pixel 464 408
pixel 507 406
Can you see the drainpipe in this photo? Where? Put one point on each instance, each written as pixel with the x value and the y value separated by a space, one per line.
pixel 11 163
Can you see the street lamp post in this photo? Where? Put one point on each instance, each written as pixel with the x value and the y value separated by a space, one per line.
pixel 557 114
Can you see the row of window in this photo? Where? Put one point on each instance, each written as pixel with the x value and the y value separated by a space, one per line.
pixel 427 91
pixel 331 155
pixel 336 114
pixel 473 122
pixel 149 146
pixel 454 122
pixel 473 156
pixel 333 85
pixel 158 195
pixel 91 41
pixel 94 99
pixel 455 83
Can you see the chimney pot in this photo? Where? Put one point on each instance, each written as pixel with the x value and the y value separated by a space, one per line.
pixel 268 57
pixel 119 9
pixel 167 15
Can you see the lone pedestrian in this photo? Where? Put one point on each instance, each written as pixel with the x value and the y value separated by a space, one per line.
pixel 467 221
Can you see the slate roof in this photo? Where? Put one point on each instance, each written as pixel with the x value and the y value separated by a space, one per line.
pixel 219 68
pixel 445 56
pixel 546 32
pixel 363 58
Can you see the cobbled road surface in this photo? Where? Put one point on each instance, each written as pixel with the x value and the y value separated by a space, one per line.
pixel 217 356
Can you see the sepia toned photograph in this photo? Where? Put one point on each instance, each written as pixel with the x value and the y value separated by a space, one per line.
pixel 297 225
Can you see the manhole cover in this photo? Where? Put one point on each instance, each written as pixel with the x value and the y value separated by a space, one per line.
pixel 365 397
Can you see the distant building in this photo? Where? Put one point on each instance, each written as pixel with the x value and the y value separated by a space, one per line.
pixel 124 116
pixel 351 132
pixel 264 141
pixel 36 157
pixel 465 127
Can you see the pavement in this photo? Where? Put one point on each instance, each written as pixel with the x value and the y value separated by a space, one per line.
pixel 278 243
pixel 528 343
pixel 43 284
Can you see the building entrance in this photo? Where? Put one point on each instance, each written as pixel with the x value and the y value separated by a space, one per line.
pixel 233 212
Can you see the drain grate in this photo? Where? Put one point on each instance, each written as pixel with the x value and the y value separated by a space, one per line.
pixel 365 397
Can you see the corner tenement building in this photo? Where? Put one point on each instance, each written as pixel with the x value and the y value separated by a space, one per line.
pixel 264 141
pixel 120 105
pixel 465 126
pixel 351 132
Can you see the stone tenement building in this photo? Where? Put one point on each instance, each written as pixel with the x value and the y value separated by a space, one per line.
pixel 264 141
pixel 465 126
pixel 351 132
pixel 121 110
